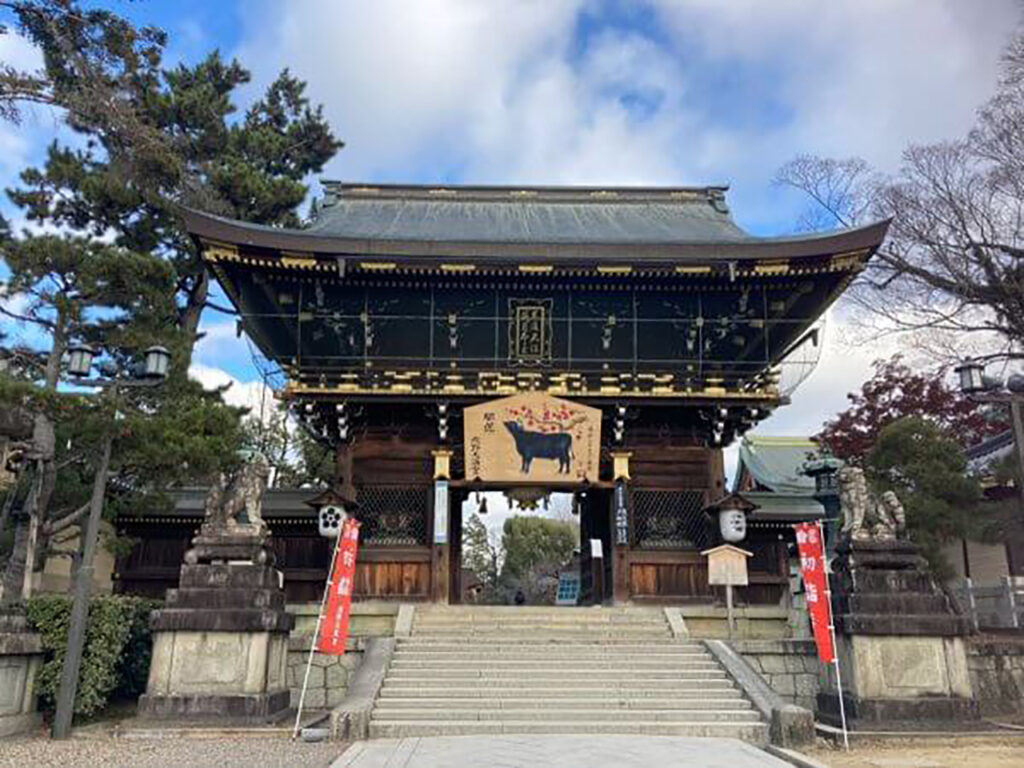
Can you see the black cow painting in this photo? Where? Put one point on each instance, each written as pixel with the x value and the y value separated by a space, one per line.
pixel 541 445
pixel 532 438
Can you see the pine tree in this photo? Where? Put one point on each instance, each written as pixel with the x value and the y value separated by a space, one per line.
pixel 928 472
pixel 158 139
pixel 126 274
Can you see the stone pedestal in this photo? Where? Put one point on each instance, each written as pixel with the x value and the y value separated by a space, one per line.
pixel 220 645
pixel 899 641
pixel 21 655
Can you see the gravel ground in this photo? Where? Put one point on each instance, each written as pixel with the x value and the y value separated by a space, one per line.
pixel 219 752
pixel 959 753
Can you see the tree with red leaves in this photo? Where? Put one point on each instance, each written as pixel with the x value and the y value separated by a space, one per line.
pixel 896 392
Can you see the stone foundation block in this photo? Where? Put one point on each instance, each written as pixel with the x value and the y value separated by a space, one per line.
pixel 21 656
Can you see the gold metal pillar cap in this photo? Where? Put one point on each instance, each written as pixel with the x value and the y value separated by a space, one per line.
pixel 620 464
pixel 442 463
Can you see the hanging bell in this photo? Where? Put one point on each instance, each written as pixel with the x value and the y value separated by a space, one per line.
pixel 482 506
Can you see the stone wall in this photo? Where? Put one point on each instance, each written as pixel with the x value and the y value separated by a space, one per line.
pixel 753 622
pixel 329 675
pixel 996 667
pixel 790 667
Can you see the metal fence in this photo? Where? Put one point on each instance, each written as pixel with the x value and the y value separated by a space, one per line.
pixel 992 606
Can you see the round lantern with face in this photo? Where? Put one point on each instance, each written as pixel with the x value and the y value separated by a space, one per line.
pixel 732 524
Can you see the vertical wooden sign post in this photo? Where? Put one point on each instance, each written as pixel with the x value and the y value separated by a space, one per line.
pixel 727 566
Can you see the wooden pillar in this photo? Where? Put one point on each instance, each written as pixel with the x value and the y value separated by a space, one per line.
pixel 455 546
pixel 716 475
pixel 440 547
pixel 620 549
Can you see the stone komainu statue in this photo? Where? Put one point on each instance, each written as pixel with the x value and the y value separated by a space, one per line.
pixel 233 506
pixel 865 517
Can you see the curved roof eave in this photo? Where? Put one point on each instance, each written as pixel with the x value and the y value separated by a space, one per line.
pixel 210 227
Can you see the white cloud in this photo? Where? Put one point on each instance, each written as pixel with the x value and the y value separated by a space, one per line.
pixel 509 92
pixel 399 79
pixel 254 395
pixel 861 77
pixel 17 143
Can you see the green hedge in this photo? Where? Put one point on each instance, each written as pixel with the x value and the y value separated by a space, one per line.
pixel 118 648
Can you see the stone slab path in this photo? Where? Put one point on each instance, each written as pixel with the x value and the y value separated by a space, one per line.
pixel 556 751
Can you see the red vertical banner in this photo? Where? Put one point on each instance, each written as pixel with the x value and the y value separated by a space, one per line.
pixel 334 629
pixel 812 568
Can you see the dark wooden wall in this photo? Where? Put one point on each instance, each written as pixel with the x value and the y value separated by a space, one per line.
pixel 683 477
pixel 389 461
pixel 393 452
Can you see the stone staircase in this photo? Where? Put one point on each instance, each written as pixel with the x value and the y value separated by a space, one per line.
pixel 490 669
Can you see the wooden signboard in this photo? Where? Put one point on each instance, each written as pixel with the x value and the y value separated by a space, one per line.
pixel 727 565
pixel 532 438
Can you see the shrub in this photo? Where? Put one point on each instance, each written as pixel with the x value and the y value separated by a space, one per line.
pixel 115 660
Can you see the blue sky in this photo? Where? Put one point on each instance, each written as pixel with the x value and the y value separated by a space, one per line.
pixel 574 92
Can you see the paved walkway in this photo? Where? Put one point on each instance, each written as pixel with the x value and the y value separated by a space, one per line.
pixel 555 752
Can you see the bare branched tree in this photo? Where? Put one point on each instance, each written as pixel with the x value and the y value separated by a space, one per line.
pixel 953 264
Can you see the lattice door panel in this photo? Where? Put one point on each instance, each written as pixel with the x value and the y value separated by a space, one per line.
pixel 394 515
pixel 669 520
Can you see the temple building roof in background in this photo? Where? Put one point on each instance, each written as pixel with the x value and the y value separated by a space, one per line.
pixel 982 455
pixel 774 464
pixel 189 503
pixel 784 507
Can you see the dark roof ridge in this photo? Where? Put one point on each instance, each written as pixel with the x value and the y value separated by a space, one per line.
pixel 524 193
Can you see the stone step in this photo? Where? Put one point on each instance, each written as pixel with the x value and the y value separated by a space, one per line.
pixel 755 733
pixel 426 645
pixel 509 687
pixel 470 610
pixel 583 636
pixel 535 629
pixel 580 621
pixel 557 673
pixel 526 666
pixel 608 677
pixel 723 700
pixel 500 669
pixel 565 715
pixel 433 625
pixel 598 659
pixel 549 635
pixel 535 650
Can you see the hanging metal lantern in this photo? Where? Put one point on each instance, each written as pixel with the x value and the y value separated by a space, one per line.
pixel 971 375
pixel 158 359
pixel 80 359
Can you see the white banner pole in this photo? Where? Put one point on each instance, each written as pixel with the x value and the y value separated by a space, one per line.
pixel 316 632
pixel 832 632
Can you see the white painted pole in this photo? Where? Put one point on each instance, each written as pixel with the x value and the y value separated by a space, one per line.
pixel 316 632
pixel 835 646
